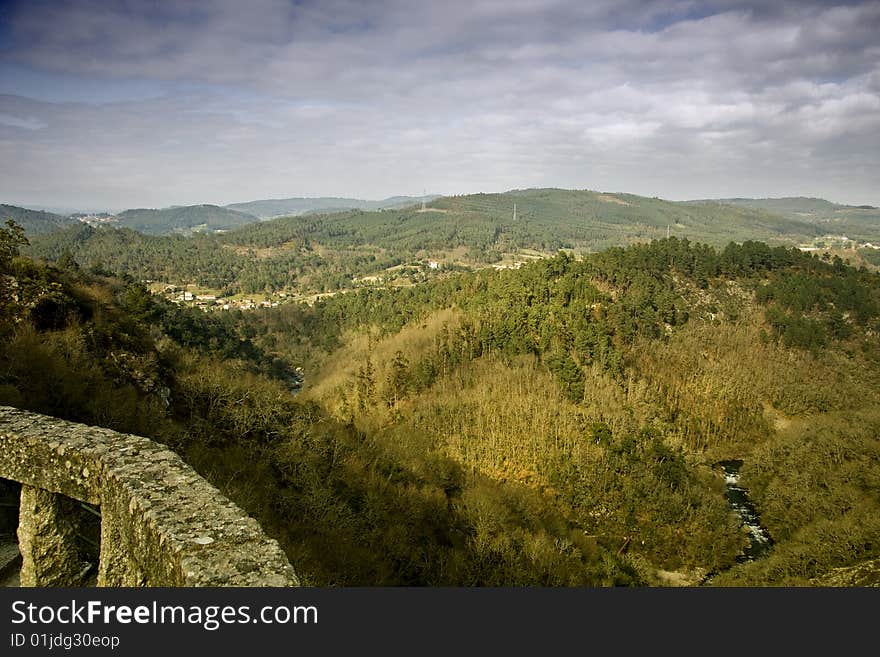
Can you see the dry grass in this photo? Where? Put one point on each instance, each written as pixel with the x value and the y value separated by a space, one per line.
pixel 607 198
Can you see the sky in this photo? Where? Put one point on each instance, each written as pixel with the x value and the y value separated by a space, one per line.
pixel 109 105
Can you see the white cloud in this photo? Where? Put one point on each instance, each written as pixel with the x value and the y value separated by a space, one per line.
pixel 674 99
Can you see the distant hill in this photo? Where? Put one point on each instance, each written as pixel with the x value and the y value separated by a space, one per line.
pixel 856 221
pixel 327 251
pixel 35 222
pixel 802 205
pixel 184 219
pixel 270 208
pixel 545 220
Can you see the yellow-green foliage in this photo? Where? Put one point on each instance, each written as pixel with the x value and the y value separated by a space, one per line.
pixel 335 379
pixel 553 425
pixel 385 507
pixel 505 420
pixel 724 386
pixel 703 382
pixel 226 402
pixel 508 421
pixel 488 471
pixel 56 373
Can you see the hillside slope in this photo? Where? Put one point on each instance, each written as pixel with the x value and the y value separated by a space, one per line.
pixel 545 219
pixel 614 385
pixel 860 222
pixel 183 219
pixel 559 424
pixel 35 222
pixel 318 253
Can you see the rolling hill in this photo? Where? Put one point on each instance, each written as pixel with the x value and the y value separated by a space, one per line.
pixel 545 220
pixel 860 222
pixel 35 222
pixel 183 219
pixel 320 253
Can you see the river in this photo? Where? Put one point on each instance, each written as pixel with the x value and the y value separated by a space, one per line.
pixel 760 541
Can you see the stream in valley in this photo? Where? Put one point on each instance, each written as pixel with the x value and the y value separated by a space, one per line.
pixel 738 499
pixel 760 542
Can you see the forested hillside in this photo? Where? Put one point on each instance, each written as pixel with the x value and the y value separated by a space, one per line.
pixel 859 222
pixel 183 219
pixel 319 253
pixel 663 360
pixel 545 219
pixel 556 424
pixel 35 222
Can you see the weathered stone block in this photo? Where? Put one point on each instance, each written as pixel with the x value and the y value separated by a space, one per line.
pixel 47 539
pixel 161 523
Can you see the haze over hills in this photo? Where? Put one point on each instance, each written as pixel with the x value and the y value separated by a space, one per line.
pixel 546 220
pixel 800 205
pixel 269 208
pixel 178 219
pixel 552 376
pixel 593 387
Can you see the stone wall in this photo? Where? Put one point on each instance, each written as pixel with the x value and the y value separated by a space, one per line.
pixel 161 523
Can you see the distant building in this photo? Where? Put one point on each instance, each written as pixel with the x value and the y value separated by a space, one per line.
pixel 433 264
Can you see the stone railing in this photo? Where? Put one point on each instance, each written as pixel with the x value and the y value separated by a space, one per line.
pixel 161 523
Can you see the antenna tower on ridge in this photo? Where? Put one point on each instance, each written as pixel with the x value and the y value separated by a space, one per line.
pixel 514 211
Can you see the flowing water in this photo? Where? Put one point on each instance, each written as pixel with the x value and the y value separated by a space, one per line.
pixel 760 541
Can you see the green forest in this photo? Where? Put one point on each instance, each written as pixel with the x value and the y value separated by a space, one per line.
pixel 558 424
pixel 183 219
pixel 35 222
pixel 332 252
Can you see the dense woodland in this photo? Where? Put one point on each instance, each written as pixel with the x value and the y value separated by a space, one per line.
pixel 558 424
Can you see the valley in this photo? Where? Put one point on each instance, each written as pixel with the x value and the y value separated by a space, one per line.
pixel 467 398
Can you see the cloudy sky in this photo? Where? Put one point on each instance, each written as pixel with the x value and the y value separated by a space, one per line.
pixel 147 104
